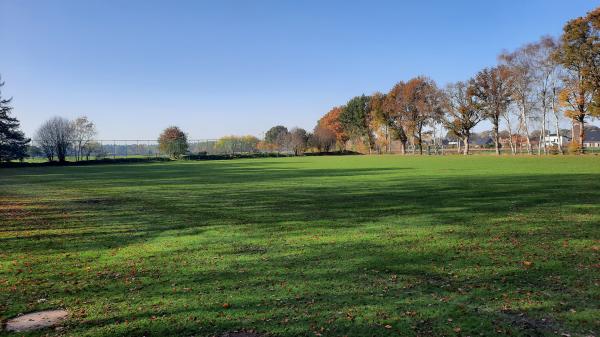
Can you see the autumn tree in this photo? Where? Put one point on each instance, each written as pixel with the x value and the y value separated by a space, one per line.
pixel 579 54
pixel 323 138
pixel 463 113
pixel 173 142
pixel 378 121
pixel 429 104
pixel 228 144
pixel 13 144
pixel 594 18
pixel 249 143
pixel 331 121
pixel 394 112
pixel 492 90
pixel 409 107
pixel 355 120
pixel 240 144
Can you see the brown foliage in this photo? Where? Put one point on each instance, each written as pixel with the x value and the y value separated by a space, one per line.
pixel 173 141
pixel 409 106
pixel 331 122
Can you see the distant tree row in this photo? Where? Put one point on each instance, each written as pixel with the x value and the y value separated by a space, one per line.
pixel 536 83
pixel 280 139
pixel 55 137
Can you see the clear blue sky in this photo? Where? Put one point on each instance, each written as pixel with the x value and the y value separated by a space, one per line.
pixel 239 67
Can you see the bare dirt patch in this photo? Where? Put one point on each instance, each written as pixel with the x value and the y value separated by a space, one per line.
pixel 36 320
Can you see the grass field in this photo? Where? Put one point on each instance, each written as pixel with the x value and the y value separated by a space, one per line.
pixel 307 246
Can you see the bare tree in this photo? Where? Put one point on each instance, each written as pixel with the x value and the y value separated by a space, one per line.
pixel 92 147
pixel 55 137
pixel 463 114
pixel 507 116
pixel 554 101
pixel 544 66
pixel 45 141
pixel 283 141
pixel 522 69
pixel 83 132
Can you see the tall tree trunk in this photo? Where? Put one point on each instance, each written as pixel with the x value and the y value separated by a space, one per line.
pixel 544 122
pixel 526 126
pixel 581 121
pixel 458 145
pixel 556 121
pixel 542 141
pixel 466 140
pixel 420 133
pixel 558 135
pixel 510 133
pixel 370 142
pixel 496 122
pixel 581 118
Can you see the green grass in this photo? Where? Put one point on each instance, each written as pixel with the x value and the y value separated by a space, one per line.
pixel 331 246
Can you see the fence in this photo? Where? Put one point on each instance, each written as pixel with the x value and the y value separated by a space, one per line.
pixel 102 148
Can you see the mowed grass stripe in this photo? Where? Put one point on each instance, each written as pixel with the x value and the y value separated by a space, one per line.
pixel 356 245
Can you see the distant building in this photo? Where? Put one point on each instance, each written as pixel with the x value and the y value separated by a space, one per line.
pixel 592 140
pixel 555 140
pixel 592 135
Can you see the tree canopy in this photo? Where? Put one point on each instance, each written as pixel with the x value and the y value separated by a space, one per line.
pixel 13 143
pixel 173 142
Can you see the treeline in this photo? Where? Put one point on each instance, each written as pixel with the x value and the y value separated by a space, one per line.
pixel 538 83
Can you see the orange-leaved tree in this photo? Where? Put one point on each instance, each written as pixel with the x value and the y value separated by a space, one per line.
pixel 579 54
pixel 173 142
pixel 331 121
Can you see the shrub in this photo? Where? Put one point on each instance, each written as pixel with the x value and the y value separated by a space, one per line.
pixel 574 148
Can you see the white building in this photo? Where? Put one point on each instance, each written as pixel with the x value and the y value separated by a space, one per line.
pixel 555 140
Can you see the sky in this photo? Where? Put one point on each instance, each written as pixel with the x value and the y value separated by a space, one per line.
pixel 224 67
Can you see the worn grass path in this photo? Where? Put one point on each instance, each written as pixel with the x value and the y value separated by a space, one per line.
pixel 331 246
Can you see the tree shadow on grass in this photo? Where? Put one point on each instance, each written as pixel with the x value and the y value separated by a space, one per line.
pixel 351 254
pixel 297 295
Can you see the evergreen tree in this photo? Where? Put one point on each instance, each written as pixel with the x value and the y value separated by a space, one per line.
pixel 355 120
pixel 13 144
